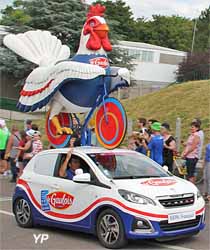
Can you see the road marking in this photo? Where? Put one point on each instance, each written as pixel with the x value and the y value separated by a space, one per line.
pixel 169 246
pixel 5 212
pixel 5 199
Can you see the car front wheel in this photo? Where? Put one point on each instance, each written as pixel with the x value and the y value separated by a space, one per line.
pixel 23 213
pixel 110 229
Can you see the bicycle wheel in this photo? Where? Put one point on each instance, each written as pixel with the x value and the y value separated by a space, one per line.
pixel 199 175
pixel 111 123
pixel 180 169
pixel 58 141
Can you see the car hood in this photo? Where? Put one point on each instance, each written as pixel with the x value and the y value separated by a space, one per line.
pixel 155 187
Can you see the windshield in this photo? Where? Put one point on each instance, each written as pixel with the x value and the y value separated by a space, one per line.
pixel 127 165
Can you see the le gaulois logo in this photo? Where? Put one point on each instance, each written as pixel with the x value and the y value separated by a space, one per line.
pixel 159 182
pixel 60 200
pixel 100 61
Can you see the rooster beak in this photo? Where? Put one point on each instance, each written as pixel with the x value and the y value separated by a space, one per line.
pixel 101 30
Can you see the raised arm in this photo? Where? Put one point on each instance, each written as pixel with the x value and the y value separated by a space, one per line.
pixel 62 170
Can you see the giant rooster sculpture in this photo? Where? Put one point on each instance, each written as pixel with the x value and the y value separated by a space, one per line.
pixel 72 85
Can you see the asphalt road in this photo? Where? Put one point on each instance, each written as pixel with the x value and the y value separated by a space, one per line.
pixel 14 237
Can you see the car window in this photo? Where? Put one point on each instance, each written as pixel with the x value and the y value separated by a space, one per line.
pixel 127 165
pixel 45 164
pixel 83 165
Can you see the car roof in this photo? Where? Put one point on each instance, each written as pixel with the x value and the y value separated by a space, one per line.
pixel 86 150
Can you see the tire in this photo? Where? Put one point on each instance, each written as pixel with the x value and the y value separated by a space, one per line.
pixel 23 214
pixel 110 236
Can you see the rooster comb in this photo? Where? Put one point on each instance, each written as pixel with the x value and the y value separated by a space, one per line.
pixel 96 10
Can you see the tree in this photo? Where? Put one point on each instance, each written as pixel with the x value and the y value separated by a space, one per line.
pixel 168 31
pixel 202 34
pixel 195 66
pixel 63 18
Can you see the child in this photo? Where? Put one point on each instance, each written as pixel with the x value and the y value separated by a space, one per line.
pixel 207 173
pixel 37 144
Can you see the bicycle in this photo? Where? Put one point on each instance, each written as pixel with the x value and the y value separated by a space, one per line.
pixel 180 169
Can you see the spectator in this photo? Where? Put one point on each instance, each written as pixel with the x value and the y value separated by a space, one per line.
pixel 36 143
pixel 35 127
pixel 12 151
pixel 140 145
pixel 94 140
pixel 69 166
pixel 201 135
pixel 75 141
pixel 149 124
pixel 28 125
pixel 155 145
pixel 191 151
pixel 141 122
pixel 132 142
pixel 76 126
pixel 20 154
pixel 207 173
pixel 169 146
pixel 28 148
pixel 4 136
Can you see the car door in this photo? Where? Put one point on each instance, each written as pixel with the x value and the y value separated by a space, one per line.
pixel 41 181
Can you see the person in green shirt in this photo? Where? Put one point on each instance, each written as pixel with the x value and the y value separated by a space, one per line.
pixel 4 135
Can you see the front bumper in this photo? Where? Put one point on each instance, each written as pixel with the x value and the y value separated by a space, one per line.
pixel 163 229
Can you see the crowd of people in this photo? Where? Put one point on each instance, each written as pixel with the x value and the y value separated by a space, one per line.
pixel 17 148
pixel 153 139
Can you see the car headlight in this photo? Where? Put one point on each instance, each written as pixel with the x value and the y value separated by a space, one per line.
pixel 136 198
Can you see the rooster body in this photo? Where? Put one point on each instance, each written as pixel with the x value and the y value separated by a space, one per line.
pixel 69 85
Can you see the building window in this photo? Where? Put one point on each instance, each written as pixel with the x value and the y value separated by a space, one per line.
pixel 140 55
pixel 170 59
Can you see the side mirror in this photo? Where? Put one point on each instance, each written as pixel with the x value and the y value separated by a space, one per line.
pixel 82 178
pixel 165 168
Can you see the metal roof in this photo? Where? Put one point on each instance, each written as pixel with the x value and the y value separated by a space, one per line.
pixel 85 150
pixel 147 46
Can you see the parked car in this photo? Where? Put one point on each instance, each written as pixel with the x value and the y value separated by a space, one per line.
pixel 117 195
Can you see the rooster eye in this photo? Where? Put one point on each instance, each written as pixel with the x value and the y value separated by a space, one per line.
pixel 92 23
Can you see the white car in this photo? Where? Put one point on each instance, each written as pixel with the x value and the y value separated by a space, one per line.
pixel 116 194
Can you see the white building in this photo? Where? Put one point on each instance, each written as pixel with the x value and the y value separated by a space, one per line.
pixel 155 65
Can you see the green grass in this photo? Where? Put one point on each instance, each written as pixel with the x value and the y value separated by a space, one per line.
pixel 187 101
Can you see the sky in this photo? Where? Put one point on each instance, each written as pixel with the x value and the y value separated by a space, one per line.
pixel 146 8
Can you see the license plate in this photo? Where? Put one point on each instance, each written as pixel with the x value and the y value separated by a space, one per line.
pixel 178 217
